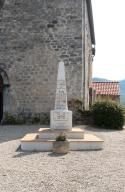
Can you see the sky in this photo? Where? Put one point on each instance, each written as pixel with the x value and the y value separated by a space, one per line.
pixel 109 25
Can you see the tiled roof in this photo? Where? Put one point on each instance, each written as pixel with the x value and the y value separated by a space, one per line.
pixel 106 88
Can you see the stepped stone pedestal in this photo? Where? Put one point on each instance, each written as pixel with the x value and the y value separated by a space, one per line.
pixel 47 133
pixel 43 140
pixel 60 121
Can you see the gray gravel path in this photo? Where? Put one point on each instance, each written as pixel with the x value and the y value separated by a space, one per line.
pixel 86 171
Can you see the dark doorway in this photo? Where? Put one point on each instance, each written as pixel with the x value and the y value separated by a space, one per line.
pixel 1 98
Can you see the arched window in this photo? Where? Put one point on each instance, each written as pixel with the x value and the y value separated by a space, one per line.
pixel 4 77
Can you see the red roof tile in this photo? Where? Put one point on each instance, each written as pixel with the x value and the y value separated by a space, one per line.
pixel 106 88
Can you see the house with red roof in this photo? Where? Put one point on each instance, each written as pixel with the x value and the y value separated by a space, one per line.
pixel 106 91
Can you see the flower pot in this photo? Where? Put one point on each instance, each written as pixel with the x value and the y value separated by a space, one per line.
pixel 61 147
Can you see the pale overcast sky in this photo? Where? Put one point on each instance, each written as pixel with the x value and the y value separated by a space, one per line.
pixel 109 24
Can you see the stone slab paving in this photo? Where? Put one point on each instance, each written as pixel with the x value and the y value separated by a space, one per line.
pixel 85 171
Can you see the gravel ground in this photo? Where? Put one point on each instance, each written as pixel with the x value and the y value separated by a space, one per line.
pixel 85 171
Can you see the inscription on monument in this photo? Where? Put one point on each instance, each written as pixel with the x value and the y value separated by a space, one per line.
pixel 59 116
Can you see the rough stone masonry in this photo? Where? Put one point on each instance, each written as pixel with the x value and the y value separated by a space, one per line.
pixel 34 36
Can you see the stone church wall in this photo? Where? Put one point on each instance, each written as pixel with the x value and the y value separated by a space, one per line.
pixel 34 36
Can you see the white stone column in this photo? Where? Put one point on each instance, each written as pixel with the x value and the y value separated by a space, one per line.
pixel 61 94
pixel 61 117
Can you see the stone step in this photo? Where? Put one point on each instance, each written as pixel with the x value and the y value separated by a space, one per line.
pixel 30 137
pixel 90 142
pixel 74 133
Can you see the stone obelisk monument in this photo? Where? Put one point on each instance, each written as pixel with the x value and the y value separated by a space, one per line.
pixel 61 120
pixel 61 117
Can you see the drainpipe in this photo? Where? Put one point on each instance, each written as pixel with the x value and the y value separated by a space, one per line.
pixel 83 50
pixel 82 53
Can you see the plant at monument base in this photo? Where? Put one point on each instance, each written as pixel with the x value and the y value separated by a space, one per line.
pixel 61 144
pixel 61 137
pixel 108 114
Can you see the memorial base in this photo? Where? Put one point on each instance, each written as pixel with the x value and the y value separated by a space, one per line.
pixel 44 139
pixel 61 119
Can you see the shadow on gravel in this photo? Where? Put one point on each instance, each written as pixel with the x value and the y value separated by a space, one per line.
pixel 18 148
pixel 55 154
pixel 94 128
pixel 24 153
pixel 103 130
pixel 13 132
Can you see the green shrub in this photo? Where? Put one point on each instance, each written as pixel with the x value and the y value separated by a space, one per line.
pixel 22 119
pixel 45 119
pixel 108 114
pixel 35 120
pixel 85 113
pixel 61 137
pixel 12 120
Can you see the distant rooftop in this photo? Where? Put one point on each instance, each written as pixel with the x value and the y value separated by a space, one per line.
pixel 106 88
